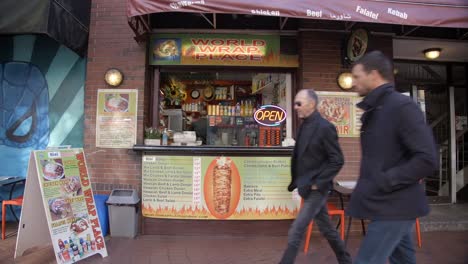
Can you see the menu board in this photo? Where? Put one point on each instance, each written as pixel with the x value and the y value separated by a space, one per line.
pixel 340 109
pixel 231 188
pixel 116 121
pixel 59 184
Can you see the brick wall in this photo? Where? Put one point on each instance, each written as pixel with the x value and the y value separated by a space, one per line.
pixel 111 44
pixel 320 65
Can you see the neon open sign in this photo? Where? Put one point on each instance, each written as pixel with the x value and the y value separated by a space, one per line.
pixel 270 115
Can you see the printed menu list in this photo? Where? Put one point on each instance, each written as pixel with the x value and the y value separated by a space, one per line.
pixel 197 182
pixel 116 131
pixel 168 181
pixel 262 186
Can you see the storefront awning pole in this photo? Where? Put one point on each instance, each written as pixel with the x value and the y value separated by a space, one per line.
pixel 212 23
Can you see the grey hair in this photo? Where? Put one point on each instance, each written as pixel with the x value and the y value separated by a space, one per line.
pixel 312 95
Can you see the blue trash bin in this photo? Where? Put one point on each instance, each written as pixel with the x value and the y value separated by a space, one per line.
pixel 103 214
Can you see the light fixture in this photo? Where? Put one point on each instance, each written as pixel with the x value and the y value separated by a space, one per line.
pixel 345 80
pixel 113 77
pixel 432 53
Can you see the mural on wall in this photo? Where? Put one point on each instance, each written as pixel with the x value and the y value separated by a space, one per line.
pixel 24 121
pixel 41 100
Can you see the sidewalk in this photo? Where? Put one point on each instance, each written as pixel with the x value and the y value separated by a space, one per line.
pixel 438 247
pixel 446 217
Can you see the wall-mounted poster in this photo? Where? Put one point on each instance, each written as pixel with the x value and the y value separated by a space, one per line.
pixel 230 188
pixel 116 121
pixel 340 109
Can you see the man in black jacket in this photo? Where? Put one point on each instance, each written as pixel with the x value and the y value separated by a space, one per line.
pixel 398 152
pixel 316 160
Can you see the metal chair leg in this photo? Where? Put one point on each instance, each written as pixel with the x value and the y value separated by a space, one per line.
pixel 347 231
pixel 363 227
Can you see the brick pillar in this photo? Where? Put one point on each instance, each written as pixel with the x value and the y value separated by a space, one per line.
pixel 111 44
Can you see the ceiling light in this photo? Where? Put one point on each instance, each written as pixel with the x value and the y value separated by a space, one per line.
pixel 432 53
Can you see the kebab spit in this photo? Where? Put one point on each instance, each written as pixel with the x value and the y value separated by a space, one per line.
pixel 222 182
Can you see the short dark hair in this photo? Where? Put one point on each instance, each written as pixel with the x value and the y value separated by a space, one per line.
pixel 376 60
pixel 312 95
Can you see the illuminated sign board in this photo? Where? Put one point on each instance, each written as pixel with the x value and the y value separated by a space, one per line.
pixel 219 49
pixel 270 115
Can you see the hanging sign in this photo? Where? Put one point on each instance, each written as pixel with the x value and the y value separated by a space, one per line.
pixel 270 115
pixel 357 44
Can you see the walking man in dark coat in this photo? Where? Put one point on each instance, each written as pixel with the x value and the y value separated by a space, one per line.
pixel 398 152
pixel 316 160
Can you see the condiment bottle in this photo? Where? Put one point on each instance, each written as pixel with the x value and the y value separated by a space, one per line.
pixel 165 137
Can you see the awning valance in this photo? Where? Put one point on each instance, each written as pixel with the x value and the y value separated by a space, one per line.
pixel 432 13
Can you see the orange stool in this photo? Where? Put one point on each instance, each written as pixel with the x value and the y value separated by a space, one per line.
pixel 332 210
pixel 18 202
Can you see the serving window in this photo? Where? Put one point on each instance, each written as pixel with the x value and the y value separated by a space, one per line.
pixel 225 108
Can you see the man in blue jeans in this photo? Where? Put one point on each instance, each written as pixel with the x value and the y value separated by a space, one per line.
pixel 398 152
pixel 316 160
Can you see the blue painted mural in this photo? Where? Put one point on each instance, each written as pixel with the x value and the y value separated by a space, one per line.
pixel 41 100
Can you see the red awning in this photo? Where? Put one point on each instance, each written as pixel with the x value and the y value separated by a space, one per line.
pixel 432 13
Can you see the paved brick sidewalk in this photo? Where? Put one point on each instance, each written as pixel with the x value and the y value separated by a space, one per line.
pixel 438 248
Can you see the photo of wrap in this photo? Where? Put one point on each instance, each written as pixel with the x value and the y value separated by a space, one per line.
pixel 222 182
